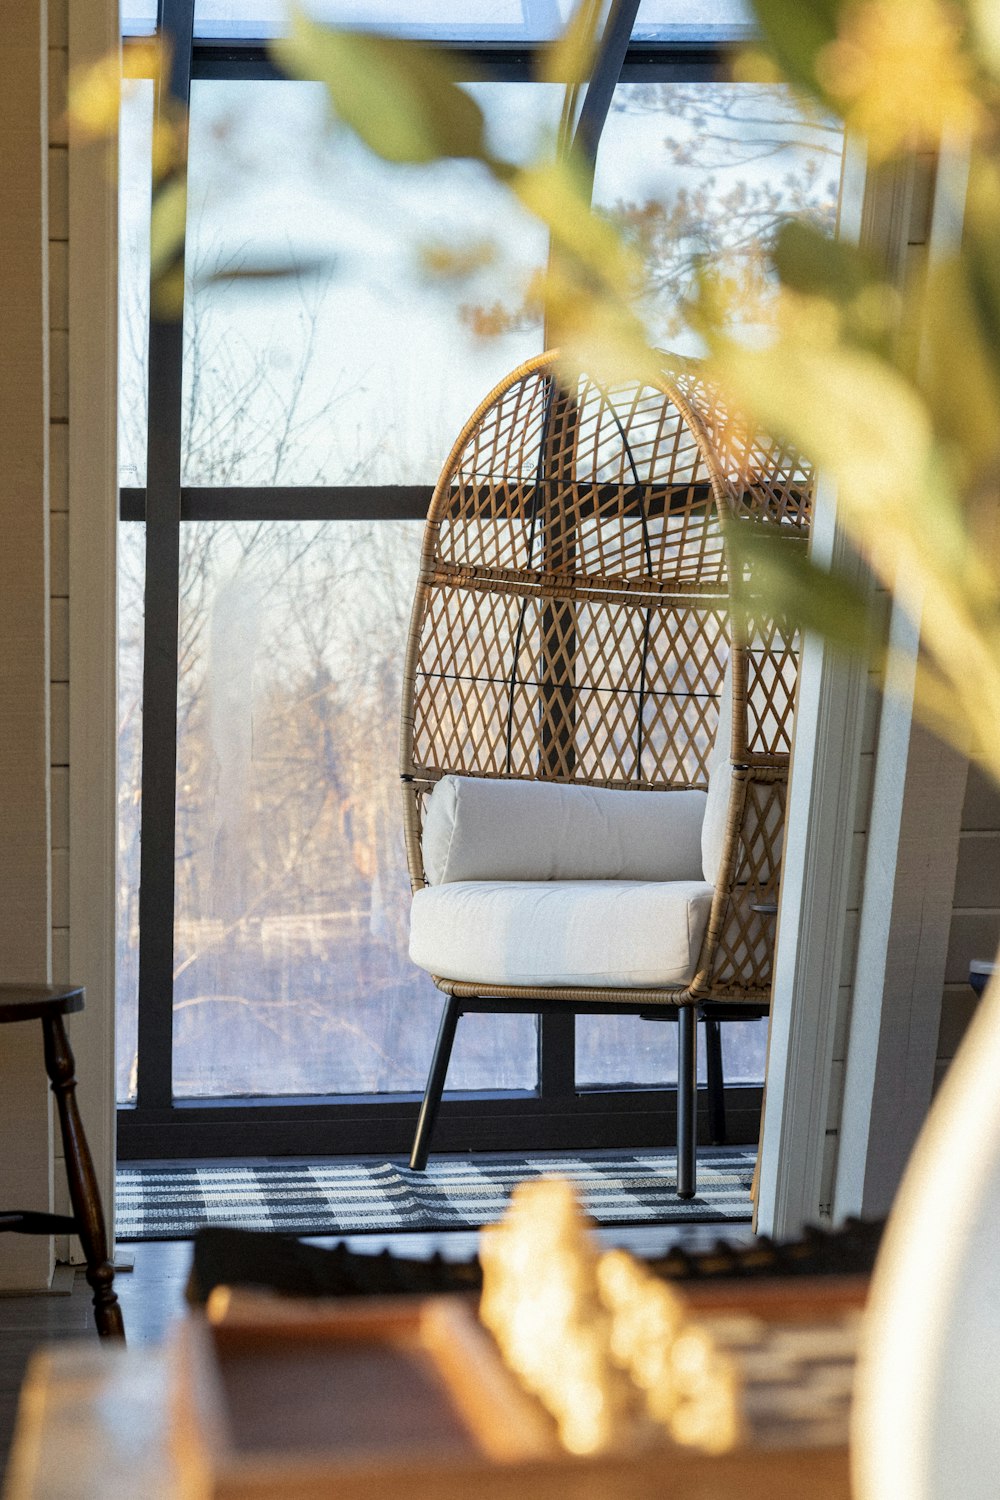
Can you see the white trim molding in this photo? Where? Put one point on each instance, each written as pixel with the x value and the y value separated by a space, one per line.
pixel 894 978
pixel 912 856
pixel 820 818
pixel 822 797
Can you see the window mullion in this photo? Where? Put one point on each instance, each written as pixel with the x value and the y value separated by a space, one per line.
pixel 175 27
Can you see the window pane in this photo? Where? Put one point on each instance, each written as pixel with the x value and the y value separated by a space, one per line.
pixel 134 175
pixel 693 20
pixel 131 568
pixel 446 20
pixel 138 17
pixel 619 1051
pixel 361 369
pixel 708 171
pixel 469 20
pixel 292 918
pixel 699 171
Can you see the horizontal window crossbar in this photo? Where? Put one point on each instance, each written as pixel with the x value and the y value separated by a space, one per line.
pixel 393 502
pixel 599 1119
pixel 688 57
pixel 385 502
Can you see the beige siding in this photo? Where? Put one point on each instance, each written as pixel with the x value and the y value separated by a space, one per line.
pixel 975 921
pixel 25 836
pixel 862 813
pixel 58 238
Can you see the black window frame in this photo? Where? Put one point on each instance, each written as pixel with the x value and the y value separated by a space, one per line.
pixel 556 1115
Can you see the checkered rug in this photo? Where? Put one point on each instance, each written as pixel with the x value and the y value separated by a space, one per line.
pixel 157 1202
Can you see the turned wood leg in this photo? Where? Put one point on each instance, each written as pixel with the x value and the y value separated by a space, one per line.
pixel 83 1190
pixel 435 1085
pixel 687 1100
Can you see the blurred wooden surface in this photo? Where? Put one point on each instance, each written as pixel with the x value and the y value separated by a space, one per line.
pixel 152 1296
pixel 96 1424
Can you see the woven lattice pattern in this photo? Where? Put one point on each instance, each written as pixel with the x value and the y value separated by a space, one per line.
pixel 572 618
pixel 598 486
pixel 743 946
pixel 763 479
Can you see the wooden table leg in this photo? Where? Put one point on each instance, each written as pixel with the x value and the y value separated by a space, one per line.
pixel 83 1190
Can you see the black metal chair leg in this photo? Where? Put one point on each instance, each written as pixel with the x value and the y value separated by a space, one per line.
pixel 435 1085
pixel 716 1081
pixel 687 1100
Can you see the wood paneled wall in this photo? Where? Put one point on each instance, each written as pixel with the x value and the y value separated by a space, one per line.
pixel 26 648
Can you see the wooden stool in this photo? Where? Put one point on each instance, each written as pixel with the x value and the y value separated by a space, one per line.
pixel 48 1004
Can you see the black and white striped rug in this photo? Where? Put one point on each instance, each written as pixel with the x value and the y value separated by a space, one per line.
pixel 155 1201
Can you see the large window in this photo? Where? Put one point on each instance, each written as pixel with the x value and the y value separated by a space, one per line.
pixel 272 506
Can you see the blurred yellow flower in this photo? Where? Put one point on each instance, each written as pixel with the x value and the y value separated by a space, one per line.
pixel 95 90
pixel 900 75
pixel 94 99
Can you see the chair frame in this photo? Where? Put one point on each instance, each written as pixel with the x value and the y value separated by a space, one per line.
pixel 749 479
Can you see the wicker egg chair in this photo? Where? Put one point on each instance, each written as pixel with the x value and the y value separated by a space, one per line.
pixel 572 626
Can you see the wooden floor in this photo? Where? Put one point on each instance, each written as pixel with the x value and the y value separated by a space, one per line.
pixel 152 1295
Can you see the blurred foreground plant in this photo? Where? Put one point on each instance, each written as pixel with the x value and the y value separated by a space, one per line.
pixel 894 392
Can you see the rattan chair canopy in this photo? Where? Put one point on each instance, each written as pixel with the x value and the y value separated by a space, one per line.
pixel 572 623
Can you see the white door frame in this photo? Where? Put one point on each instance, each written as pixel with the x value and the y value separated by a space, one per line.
pixel 911 851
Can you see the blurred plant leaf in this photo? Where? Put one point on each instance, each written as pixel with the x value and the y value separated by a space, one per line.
pixel 401 98
pixel 959 357
pixel 168 294
pixel 167 227
pixel 980 261
pixel 95 90
pixel 773 571
pixel 558 193
pixel 298 270
pixel 809 261
pixel 984 24
pixel 594 329
pixel 855 416
pixel 796 32
pixel 897 71
pixel 571 56
pixel 590 291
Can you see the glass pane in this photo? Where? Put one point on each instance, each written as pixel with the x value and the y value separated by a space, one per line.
pixel 470 20
pixel 138 17
pixel 694 171
pixel 744 1051
pixel 454 20
pixel 693 20
pixel 361 369
pixel 292 917
pixel 697 171
pixel 619 1051
pixel 134 177
pixel 131 569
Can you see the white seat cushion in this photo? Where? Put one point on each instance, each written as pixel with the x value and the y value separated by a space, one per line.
pixel 478 829
pixel 623 934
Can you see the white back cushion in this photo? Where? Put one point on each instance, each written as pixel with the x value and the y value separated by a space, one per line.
pixel 720 783
pixel 540 830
